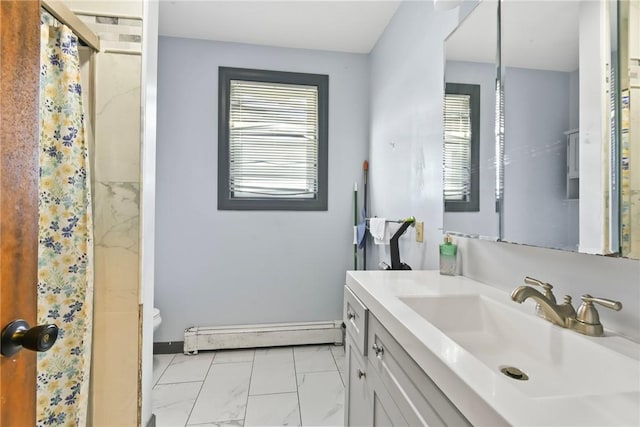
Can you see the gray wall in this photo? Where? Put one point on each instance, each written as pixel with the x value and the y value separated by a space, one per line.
pixel 484 222
pixel 537 113
pixel 229 267
pixel 574 99
pixel 406 102
pixel 406 127
pixel 541 106
pixel 573 211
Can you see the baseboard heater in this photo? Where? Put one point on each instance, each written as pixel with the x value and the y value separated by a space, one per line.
pixel 199 338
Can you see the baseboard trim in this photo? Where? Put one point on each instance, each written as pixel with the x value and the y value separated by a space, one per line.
pixel 171 347
pixel 261 335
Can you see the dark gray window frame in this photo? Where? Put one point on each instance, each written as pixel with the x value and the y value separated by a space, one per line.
pixel 473 204
pixel 225 199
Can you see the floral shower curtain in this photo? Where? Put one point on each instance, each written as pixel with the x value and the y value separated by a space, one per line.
pixel 65 241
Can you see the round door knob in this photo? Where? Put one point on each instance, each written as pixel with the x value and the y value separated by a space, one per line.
pixel 17 335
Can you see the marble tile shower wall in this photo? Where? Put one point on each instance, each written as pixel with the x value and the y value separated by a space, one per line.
pixel 116 195
pixel 116 33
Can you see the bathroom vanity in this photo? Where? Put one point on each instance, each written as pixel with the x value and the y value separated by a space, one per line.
pixel 384 370
pixel 426 349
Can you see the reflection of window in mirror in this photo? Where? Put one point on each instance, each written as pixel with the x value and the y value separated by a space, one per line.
pixel 461 147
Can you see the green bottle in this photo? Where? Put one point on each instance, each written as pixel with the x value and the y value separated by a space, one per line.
pixel 448 257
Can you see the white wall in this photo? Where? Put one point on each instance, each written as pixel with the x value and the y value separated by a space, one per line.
pixel 236 267
pixel 406 98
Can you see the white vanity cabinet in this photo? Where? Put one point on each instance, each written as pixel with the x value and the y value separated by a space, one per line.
pixel 385 386
pixel 358 391
pixel 383 408
pixel 367 400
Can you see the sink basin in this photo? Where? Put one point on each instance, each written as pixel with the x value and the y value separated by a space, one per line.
pixel 557 361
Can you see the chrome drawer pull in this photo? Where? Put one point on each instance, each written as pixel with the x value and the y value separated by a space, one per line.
pixel 361 374
pixel 378 350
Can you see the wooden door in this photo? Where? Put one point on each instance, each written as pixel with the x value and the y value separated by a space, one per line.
pixel 19 81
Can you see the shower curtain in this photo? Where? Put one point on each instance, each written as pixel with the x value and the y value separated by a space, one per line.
pixel 65 240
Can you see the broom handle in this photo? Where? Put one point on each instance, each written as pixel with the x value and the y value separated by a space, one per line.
pixel 365 167
pixel 355 224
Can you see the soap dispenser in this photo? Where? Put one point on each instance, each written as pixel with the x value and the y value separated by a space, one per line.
pixel 448 257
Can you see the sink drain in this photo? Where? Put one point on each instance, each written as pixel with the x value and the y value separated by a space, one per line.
pixel 515 373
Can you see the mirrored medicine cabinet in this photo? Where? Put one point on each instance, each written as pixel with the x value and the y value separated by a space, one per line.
pixel 538 145
pixel 469 153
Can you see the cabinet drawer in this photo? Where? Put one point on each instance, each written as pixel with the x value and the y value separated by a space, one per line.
pixel 357 391
pixel 355 319
pixel 417 396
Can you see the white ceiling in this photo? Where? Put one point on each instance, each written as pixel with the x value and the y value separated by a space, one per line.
pixel 541 35
pixel 475 39
pixel 343 26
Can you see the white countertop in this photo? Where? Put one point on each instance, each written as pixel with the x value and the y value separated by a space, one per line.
pixel 483 395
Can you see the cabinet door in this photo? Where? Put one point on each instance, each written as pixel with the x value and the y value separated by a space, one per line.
pixel 357 392
pixel 573 165
pixel 420 400
pixel 384 410
pixel 573 155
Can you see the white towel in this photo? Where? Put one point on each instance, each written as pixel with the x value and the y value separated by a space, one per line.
pixel 377 228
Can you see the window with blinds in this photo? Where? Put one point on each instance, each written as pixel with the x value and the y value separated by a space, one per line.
pixel 461 147
pixel 273 141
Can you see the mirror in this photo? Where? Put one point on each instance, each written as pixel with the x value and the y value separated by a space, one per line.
pixel 560 150
pixel 629 42
pixel 469 125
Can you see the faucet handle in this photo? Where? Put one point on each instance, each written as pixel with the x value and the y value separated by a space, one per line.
pixel 546 286
pixel 587 319
pixel 613 305
pixel 587 313
pixel 532 281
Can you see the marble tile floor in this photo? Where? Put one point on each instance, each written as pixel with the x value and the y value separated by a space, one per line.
pixel 280 386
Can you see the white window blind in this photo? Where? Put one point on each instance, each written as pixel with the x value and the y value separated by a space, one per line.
pixel 499 137
pixel 457 147
pixel 273 140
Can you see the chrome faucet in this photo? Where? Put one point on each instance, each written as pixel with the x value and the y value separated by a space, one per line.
pixel 586 320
